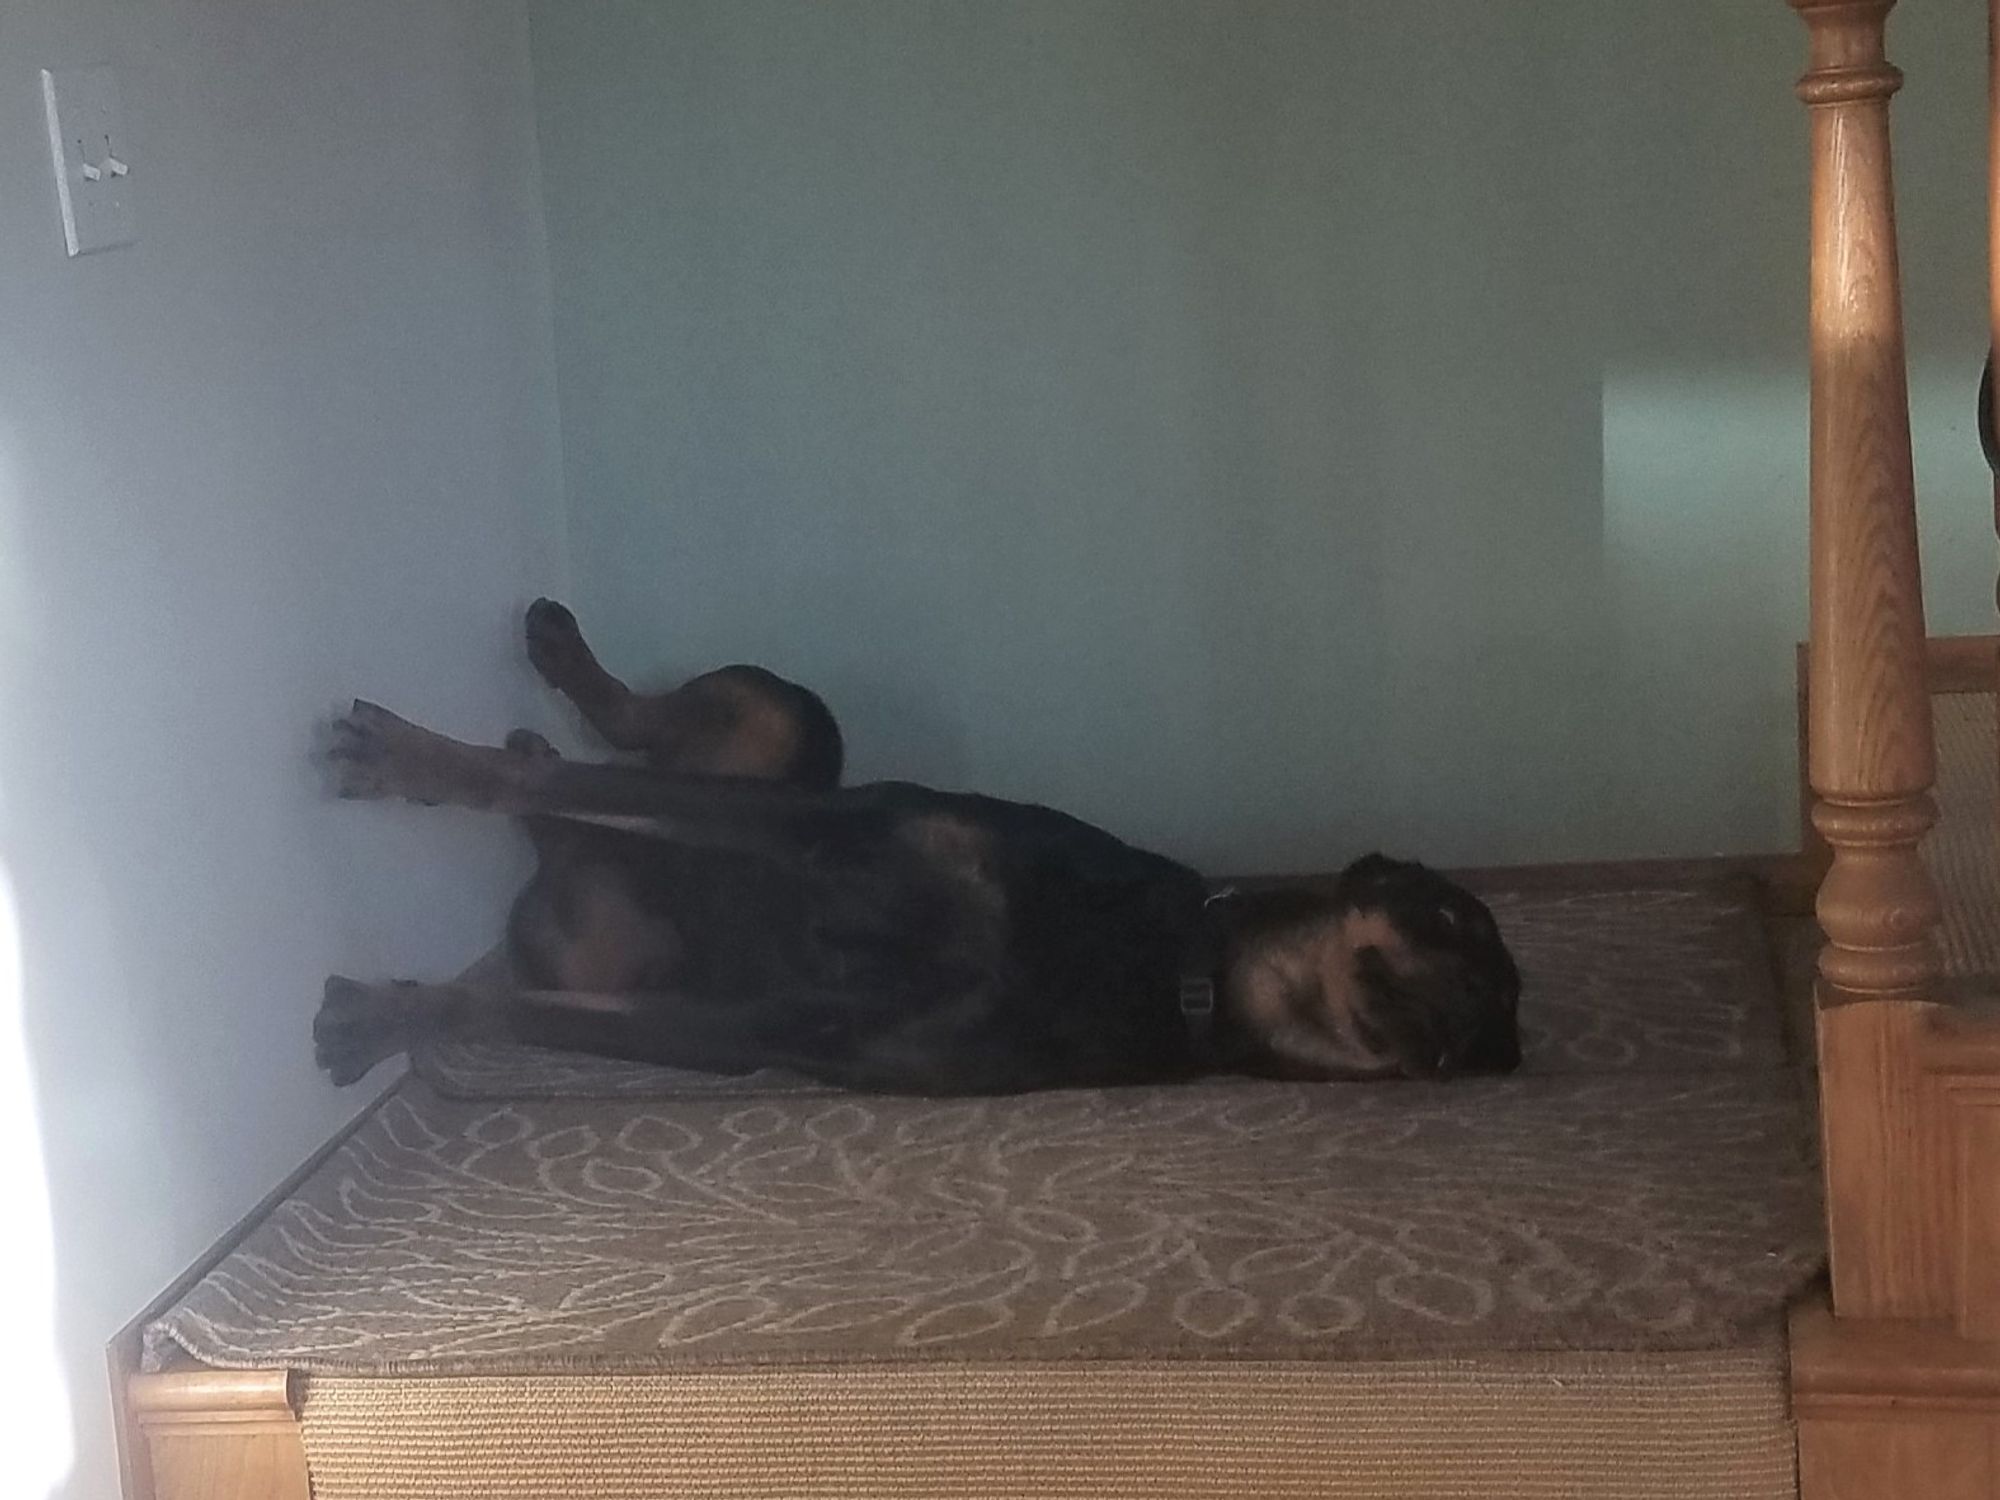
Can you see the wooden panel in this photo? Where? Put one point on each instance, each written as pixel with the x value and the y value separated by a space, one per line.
pixel 1875 1459
pixel 1977 1112
pixel 236 1463
pixel 1890 1178
pixel 1838 1362
pixel 1960 1050
pixel 1893 1410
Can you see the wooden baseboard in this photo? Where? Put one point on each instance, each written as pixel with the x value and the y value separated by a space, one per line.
pixel 220 1435
pixel 1893 1410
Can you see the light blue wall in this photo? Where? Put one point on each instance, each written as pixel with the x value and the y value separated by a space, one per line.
pixel 1268 429
pixel 298 442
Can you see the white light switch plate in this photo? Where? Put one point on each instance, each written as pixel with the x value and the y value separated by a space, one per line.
pixel 92 158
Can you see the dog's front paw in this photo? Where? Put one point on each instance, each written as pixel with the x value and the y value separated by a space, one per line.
pixel 372 754
pixel 356 1027
pixel 555 642
pixel 356 751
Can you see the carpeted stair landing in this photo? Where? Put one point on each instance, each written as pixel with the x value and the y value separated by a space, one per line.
pixel 531 1275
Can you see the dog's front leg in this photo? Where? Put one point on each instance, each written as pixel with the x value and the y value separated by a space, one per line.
pixel 374 754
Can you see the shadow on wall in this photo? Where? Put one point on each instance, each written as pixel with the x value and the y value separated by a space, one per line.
pixel 1696 492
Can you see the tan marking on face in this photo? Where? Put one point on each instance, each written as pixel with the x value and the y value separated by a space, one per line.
pixel 1321 959
pixel 1371 928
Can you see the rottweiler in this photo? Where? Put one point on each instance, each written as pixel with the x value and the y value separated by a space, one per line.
pixel 722 902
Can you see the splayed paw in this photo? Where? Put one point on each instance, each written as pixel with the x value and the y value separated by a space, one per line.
pixel 372 754
pixel 356 1027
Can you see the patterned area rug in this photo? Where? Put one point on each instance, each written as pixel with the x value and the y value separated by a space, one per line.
pixel 1650 979
pixel 1240 1221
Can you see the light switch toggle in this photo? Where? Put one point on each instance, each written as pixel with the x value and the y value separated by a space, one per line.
pixel 92 158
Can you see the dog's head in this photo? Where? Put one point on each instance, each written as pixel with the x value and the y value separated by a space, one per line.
pixel 1399 973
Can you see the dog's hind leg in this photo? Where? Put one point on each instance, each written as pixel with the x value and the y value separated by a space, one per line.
pixel 359 1025
pixel 737 721
pixel 559 652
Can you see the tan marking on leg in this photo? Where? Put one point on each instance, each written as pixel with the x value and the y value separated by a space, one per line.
pixel 952 844
pixel 611 943
pixel 582 1002
pixel 762 738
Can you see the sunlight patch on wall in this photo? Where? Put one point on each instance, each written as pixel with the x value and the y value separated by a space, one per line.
pixel 34 1406
pixel 1705 512
pixel 35 1431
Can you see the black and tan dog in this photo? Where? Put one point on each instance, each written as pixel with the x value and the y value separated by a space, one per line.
pixel 729 906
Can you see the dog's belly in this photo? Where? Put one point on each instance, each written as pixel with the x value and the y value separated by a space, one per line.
pixel 952 944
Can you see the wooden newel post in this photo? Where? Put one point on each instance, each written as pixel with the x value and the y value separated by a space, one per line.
pixel 1888 1151
pixel 1992 412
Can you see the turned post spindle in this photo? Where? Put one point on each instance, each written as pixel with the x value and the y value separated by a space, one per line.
pixel 1887 1143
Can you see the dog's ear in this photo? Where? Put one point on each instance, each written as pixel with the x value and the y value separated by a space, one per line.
pixel 1370 872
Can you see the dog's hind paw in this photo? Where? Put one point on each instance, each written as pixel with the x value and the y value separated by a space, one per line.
pixel 532 745
pixel 356 1027
pixel 555 642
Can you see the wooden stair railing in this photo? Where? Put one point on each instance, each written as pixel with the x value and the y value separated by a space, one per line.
pixel 1871 758
pixel 1895 1390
